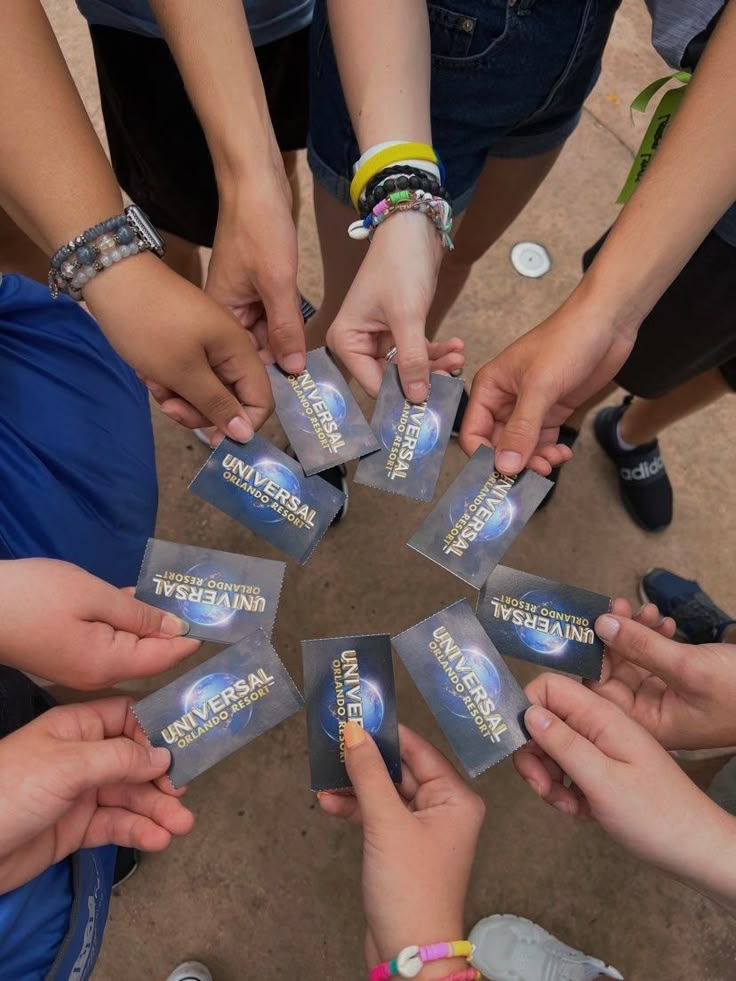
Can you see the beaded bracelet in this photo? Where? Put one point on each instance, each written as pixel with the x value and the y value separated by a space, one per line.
pixel 100 247
pixel 436 209
pixel 410 961
pixel 384 158
pixel 399 178
pixel 467 974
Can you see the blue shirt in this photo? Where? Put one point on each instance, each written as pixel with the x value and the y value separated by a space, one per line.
pixel 268 20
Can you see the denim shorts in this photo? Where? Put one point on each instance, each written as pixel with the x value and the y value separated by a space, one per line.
pixel 509 78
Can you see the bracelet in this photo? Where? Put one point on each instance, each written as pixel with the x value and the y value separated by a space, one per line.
pixel 436 209
pixel 410 961
pixel 384 158
pixel 399 178
pixel 98 248
pixel 467 974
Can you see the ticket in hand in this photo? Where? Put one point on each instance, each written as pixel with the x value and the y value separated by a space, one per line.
pixel 348 679
pixel 413 438
pixel 478 517
pixel 219 706
pixel 321 419
pixel 268 492
pixel 469 689
pixel 221 596
pixel 543 621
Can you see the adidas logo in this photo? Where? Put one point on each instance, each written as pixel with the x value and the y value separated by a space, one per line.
pixel 644 470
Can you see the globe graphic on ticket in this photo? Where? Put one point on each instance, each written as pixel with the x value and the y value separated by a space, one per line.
pixel 428 436
pixel 486 674
pixel 281 476
pixel 205 614
pixel 496 526
pixel 210 686
pixel 539 640
pixel 334 402
pixel 372 702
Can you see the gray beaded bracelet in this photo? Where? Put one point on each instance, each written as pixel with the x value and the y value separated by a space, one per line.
pixel 100 247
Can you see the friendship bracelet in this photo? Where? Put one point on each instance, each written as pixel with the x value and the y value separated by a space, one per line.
pixel 399 178
pixel 467 974
pixel 98 248
pixel 436 209
pixel 384 158
pixel 410 961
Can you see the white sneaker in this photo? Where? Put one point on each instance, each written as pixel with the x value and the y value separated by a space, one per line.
pixel 190 971
pixel 510 948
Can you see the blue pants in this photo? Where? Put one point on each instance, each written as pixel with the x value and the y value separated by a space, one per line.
pixel 78 482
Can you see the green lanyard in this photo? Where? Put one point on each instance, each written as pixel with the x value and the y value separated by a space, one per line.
pixel 661 119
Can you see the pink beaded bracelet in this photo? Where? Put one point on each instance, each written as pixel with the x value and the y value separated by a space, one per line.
pixel 409 961
pixel 467 974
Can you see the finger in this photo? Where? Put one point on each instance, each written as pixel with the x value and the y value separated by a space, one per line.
pixel 448 363
pixel 122 611
pixel 285 328
pixel 521 433
pixel 621 607
pixel 181 412
pixel 146 799
pixel 425 761
pixel 477 424
pixel 118 826
pixel 343 806
pixel 378 798
pixel 212 397
pixel 412 359
pixel 133 658
pixel 159 392
pixel 649 616
pixel 114 760
pixel 366 370
pixel 663 657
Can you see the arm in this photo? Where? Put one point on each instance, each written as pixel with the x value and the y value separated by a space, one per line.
pixel 254 262
pixel 537 382
pixel 385 76
pixel 55 182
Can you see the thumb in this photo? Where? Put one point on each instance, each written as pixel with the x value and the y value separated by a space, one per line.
pixel 373 786
pixel 285 329
pixel 576 755
pixel 520 435
pixel 667 659
pixel 123 612
pixel 412 359
pixel 116 760
pixel 215 401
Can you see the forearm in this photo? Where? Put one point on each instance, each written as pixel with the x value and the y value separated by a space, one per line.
pixel 708 861
pixel 689 184
pixel 383 55
pixel 214 53
pixel 55 179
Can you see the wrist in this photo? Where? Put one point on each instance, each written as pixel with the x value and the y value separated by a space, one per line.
pixel 420 928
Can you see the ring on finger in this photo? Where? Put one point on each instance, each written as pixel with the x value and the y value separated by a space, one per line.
pixel 390 355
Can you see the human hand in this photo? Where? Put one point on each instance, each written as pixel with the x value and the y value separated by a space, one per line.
pixel 387 306
pixel 198 362
pixel 80 776
pixel 418 843
pixel 683 694
pixel 626 781
pixel 253 270
pixel 520 398
pixel 66 625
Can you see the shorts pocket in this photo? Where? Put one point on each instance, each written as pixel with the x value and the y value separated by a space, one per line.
pixel 466 37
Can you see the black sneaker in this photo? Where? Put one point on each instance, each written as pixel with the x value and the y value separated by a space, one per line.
pixel 568 435
pixel 337 476
pixel 645 488
pixel 126 863
pixel 699 620
pixel 308 311
pixel 460 414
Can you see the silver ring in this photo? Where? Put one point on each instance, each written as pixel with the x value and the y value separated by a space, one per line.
pixel 391 354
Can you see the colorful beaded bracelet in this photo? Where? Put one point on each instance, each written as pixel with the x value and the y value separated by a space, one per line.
pixel 410 961
pixel 436 209
pixel 399 178
pixel 384 158
pixel 467 974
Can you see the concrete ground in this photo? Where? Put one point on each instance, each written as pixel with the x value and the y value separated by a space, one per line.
pixel 267 887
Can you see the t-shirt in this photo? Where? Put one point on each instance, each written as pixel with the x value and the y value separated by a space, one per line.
pixel 675 25
pixel 268 20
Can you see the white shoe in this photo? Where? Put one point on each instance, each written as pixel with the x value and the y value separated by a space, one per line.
pixel 510 948
pixel 190 971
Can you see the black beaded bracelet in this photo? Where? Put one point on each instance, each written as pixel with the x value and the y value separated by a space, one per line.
pixel 399 178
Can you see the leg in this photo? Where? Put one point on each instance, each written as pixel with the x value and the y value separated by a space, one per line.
pixel 184 258
pixel 290 158
pixel 18 254
pixel 505 187
pixel 646 418
pixel 341 259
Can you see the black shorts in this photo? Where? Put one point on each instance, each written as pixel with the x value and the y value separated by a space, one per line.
pixel 158 150
pixel 691 329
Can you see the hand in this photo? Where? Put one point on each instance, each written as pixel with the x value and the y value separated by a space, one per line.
pixel 521 397
pixel 626 781
pixel 253 269
pixel 66 625
pixel 683 694
pixel 79 776
pixel 387 306
pixel 198 362
pixel 419 844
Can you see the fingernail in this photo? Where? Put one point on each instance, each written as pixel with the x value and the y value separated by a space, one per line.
pixel 537 718
pixel 417 391
pixel 607 627
pixel 160 757
pixel 509 461
pixel 564 806
pixel 172 626
pixel 354 734
pixel 239 430
pixel 293 363
pixel 536 787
